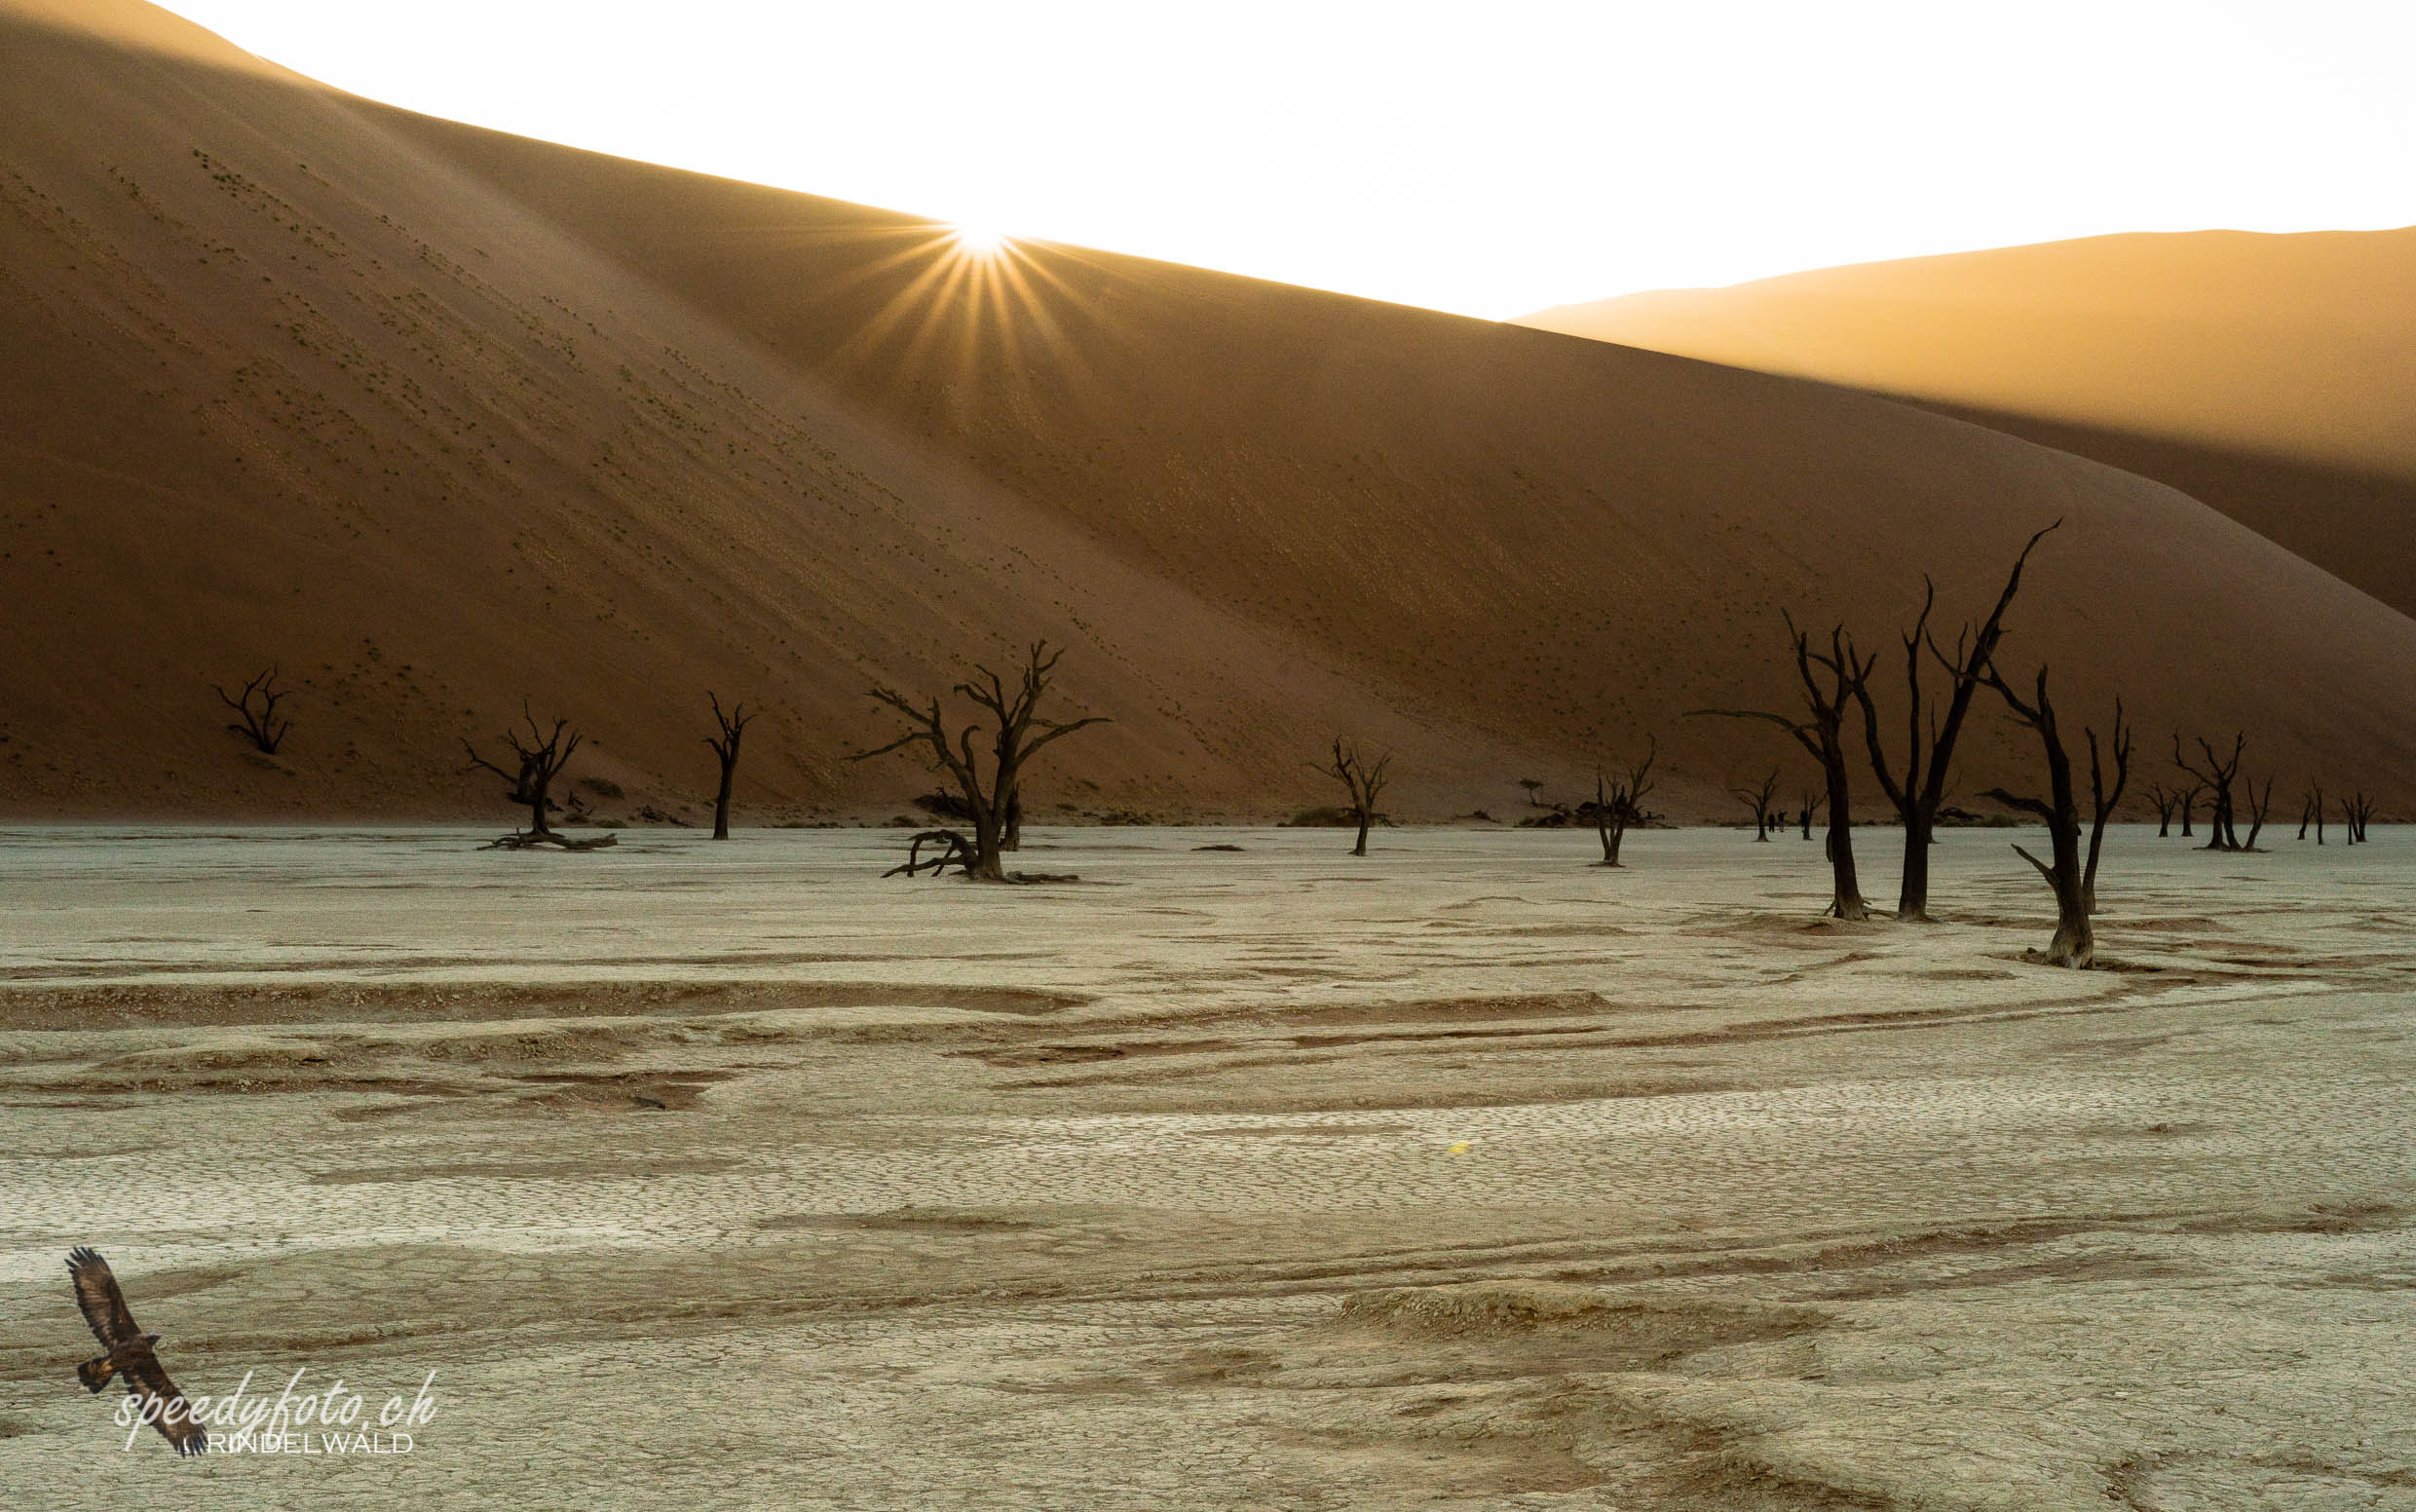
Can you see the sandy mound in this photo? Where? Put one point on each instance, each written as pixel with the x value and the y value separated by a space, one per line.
pixel 2272 376
pixel 437 419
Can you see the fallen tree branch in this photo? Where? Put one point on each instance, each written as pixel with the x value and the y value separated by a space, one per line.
pixel 529 840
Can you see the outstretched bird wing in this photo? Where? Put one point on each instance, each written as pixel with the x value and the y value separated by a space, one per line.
pixel 166 1406
pixel 104 1305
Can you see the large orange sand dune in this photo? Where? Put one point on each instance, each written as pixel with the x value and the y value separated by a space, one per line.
pixel 436 417
pixel 2272 376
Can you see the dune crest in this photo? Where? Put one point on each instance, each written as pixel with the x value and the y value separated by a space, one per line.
pixel 2272 376
pixel 435 419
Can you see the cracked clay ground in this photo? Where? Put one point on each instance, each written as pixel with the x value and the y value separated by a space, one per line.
pixel 1466 1175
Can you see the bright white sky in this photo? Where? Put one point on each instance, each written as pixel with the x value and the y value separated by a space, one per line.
pixel 1485 157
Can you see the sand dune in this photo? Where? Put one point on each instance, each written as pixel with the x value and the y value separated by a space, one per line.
pixel 437 418
pixel 2272 376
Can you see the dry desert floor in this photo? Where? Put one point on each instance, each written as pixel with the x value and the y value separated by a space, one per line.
pixel 1465 1175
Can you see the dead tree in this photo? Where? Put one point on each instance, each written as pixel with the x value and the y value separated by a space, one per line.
pixel 2101 801
pixel 1020 735
pixel 537 760
pixel 2217 780
pixel 2075 942
pixel 1759 799
pixel 953 850
pixel 1830 681
pixel 1812 806
pixel 1362 780
pixel 1917 798
pixel 259 724
pixel 2313 810
pixel 2162 800
pixel 2258 803
pixel 725 747
pixel 1618 805
pixel 2187 801
pixel 2356 810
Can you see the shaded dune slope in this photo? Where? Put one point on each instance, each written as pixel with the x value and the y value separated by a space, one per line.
pixel 2271 376
pixel 437 418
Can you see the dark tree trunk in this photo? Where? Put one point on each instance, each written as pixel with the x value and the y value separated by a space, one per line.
pixel 1846 890
pixel 1912 895
pixel 2259 801
pixel 2074 944
pixel 537 761
pixel 1759 800
pixel 2222 830
pixel 1361 780
pixel 1821 732
pixel 988 863
pixel 260 726
pixel 2101 801
pixel 726 747
pixel 539 802
pixel 2089 873
pixel 1928 760
pixel 1618 804
pixel 993 804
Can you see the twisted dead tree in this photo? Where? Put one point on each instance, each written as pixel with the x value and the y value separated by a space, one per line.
pixel 1361 780
pixel 1021 734
pixel 2101 799
pixel 1812 806
pixel 2187 802
pixel 1759 799
pixel 1917 798
pixel 2258 804
pixel 726 747
pixel 1618 805
pixel 2356 810
pixel 2313 810
pixel 2162 799
pixel 953 850
pixel 2217 780
pixel 2075 942
pixel 1830 681
pixel 537 759
pixel 259 724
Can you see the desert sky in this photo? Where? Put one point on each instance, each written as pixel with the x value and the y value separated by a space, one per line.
pixel 1486 160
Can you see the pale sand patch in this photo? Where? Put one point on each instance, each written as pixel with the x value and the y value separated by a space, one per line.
pixel 1713 1208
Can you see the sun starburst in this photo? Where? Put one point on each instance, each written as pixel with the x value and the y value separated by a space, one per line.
pixel 975 239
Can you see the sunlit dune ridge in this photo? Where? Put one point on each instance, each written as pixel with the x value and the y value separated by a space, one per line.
pixel 437 421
